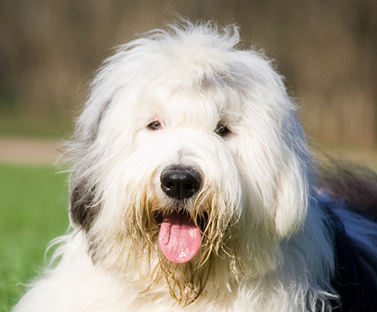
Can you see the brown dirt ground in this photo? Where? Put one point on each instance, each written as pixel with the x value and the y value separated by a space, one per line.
pixel 29 151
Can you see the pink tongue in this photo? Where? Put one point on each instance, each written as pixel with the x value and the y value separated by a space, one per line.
pixel 179 238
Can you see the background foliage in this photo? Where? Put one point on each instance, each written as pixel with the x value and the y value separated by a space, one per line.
pixel 326 49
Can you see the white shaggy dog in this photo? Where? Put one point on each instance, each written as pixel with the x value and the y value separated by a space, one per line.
pixel 193 189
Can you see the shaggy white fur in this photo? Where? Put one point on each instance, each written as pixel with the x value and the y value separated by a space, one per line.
pixel 187 97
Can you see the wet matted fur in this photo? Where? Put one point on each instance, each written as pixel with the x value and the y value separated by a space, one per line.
pixel 184 104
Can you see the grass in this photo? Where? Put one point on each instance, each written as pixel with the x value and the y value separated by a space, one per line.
pixel 33 209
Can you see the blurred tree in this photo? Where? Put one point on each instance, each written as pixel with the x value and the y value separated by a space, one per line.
pixel 326 49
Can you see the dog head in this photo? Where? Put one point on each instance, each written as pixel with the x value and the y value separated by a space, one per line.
pixel 188 160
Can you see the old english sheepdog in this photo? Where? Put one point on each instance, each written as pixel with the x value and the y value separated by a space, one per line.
pixel 193 189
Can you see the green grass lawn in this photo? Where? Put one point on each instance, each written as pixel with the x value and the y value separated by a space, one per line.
pixel 33 210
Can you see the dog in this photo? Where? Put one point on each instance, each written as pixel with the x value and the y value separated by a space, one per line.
pixel 193 188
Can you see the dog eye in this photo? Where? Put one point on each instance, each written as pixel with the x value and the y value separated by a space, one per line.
pixel 221 130
pixel 155 125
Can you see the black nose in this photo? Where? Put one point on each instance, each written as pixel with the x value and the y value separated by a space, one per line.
pixel 180 182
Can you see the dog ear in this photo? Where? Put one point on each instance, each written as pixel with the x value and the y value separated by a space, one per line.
pixel 293 184
pixel 83 211
pixel 292 204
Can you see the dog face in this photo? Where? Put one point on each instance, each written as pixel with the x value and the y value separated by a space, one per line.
pixel 188 158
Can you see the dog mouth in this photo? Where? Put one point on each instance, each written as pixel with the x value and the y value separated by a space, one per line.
pixel 179 236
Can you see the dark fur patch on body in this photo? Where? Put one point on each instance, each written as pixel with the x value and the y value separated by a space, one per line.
pixel 355 278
